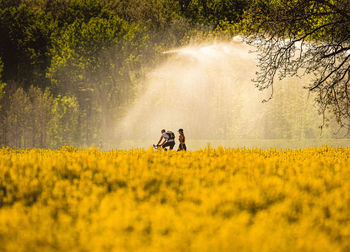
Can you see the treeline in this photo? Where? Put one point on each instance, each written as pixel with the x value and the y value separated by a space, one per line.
pixel 70 68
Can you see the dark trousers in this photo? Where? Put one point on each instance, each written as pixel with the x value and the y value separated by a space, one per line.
pixel 170 144
pixel 182 147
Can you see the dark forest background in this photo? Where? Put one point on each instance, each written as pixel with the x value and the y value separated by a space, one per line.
pixel 66 64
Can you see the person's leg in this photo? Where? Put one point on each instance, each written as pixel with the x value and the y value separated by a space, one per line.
pixel 172 144
pixel 165 145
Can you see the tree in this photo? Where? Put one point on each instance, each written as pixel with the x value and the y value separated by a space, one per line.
pixel 2 85
pixel 17 120
pixel 63 126
pixel 40 116
pixel 304 37
pixel 214 11
pixel 93 61
pixel 24 44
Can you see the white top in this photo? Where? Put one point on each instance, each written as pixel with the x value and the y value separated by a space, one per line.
pixel 166 137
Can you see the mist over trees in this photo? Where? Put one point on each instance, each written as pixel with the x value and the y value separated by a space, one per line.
pixel 305 37
pixel 69 69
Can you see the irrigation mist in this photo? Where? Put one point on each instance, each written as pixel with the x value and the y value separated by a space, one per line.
pixel 207 90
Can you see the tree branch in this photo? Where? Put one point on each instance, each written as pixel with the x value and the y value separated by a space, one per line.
pixel 332 72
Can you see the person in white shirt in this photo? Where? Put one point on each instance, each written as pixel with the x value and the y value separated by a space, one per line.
pixel 169 139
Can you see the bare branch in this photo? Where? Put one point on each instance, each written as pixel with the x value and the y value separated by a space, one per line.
pixel 330 74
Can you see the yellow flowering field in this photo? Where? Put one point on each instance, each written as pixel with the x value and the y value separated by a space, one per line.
pixel 144 200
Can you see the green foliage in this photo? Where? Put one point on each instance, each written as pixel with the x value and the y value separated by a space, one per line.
pixel 24 45
pixel 297 18
pixel 94 60
pixel 85 51
pixel 67 12
pixel 63 126
pixel 214 12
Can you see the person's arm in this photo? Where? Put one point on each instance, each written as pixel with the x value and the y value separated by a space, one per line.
pixel 164 142
pixel 160 140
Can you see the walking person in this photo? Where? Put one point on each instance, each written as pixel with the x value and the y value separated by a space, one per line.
pixel 169 139
pixel 182 145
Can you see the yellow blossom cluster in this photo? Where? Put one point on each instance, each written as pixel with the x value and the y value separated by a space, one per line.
pixel 144 200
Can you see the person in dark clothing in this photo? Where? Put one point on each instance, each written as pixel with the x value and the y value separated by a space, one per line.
pixel 169 140
pixel 182 145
